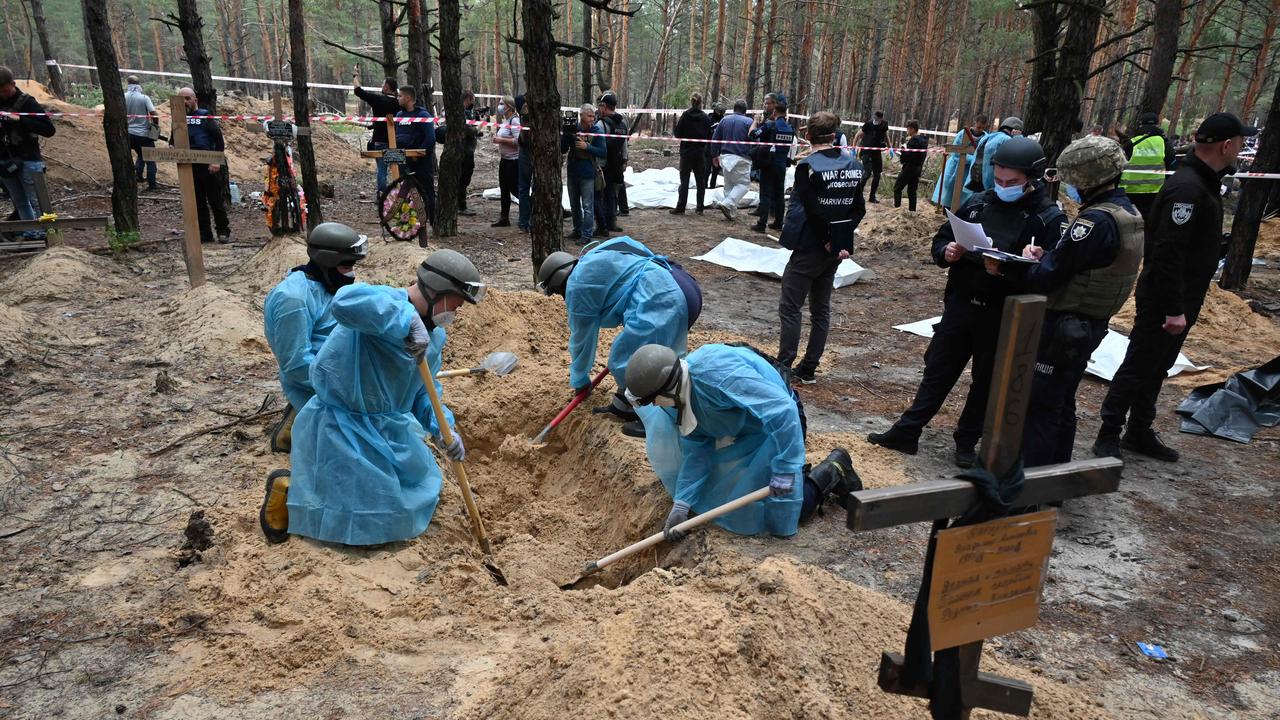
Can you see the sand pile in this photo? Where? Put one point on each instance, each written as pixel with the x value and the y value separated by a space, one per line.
pixel 1229 336
pixel 67 274
pixel 887 227
pixel 268 266
pixel 22 332
pixel 713 635
pixel 392 263
pixel 1268 245
pixel 210 322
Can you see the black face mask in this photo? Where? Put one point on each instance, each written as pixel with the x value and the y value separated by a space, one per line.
pixel 329 277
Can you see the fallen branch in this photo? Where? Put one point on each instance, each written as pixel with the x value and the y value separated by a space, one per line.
pixel 199 433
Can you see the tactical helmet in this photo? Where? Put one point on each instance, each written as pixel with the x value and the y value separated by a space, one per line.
pixel 1091 161
pixel 1011 122
pixel 554 272
pixel 1021 153
pixel 449 271
pixel 652 371
pixel 333 244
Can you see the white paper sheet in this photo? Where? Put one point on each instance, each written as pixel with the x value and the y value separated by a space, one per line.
pixel 969 235
pixel 1104 362
pixel 748 257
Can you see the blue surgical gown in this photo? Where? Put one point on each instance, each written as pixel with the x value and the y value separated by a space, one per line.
pixel 946 184
pixel 362 474
pixel 609 288
pixel 296 321
pixel 748 430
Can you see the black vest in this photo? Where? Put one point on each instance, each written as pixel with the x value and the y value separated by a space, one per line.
pixel 836 183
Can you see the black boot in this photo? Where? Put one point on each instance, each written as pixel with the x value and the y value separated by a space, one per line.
pixel 1107 444
pixel 619 407
pixel 835 476
pixel 1147 442
pixel 633 428
pixel 896 439
pixel 966 457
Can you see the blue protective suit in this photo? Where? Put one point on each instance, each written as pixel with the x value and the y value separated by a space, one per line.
pixel 942 191
pixel 988 169
pixel 362 474
pixel 296 321
pixel 748 430
pixel 609 288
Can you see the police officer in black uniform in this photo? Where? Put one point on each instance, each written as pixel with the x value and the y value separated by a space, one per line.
pixel 913 157
pixel 1015 212
pixel 1183 237
pixel 826 206
pixel 470 138
pixel 873 135
pixel 773 171
pixel 1088 276
pixel 693 125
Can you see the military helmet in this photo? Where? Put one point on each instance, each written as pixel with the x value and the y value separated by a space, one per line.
pixel 653 370
pixel 333 244
pixel 553 273
pixel 1021 153
pixel 1012 122
pixel 1091 161
pixel 449 271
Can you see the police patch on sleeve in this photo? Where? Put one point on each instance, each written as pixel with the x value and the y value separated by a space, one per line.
pixel 1182 213
pixel 1080 229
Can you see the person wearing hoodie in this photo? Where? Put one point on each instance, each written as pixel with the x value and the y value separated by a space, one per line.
pixel 694 124
pixel 144 122
pixel 968 137
pixel 982 175
pixel 20 158
pixel 1148 150
pixel 380 105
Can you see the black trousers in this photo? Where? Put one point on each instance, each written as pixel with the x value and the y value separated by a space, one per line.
pixel 772 180
pixel 137 143
pixel 464 180
pixel 209 199
pixel 508 184
pixel 966 331
pixel 1066 343
pixel 809 274
pixel 1142 203
pixel 909 178
pixel 1136 386
pixel 695 165
pixel 715 173
pixel 873 163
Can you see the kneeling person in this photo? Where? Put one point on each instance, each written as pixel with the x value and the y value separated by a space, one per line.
pixel 297 318
pixel 362 474
pixel 620 282
pixel 723 423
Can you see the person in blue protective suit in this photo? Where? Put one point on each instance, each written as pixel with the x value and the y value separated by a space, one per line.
pixel 296 317
pixel 982 175
pixel 723 423
pixel 362 474
pixel 620 282
pixel 969 137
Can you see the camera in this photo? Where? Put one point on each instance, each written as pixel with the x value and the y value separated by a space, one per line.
pixel 484 112
pixel 569 124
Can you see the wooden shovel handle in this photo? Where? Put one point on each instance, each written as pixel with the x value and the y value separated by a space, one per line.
pixel 446 434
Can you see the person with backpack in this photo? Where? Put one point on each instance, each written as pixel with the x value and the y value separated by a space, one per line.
pixel 1150 151
pixel 982 174
pixel 620 282
pixel 615 164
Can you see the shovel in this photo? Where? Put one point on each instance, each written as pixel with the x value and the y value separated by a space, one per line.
pixel 446 434
pixel 498 363
pixel 577 400
pixel 654 539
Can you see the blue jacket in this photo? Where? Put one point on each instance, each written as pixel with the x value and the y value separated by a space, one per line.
pixel 203 131
pixel 993 143
pixel 732 129
pixel 776 131
pixel 418 135
pixel 581 168
pixel 297 320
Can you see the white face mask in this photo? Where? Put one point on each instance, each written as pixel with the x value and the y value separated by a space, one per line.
pixel 443 319
pixel 502 109
pixel 351 274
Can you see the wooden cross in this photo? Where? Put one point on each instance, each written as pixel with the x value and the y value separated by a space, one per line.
pixel 48 221
pixel 280 131
pixel 1001 444
pixel 182 154
pixel 393 156
pixel 957 189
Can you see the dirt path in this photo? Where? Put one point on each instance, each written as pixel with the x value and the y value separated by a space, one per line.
pixel 105 364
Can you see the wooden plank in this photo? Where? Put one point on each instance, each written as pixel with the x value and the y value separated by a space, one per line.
pixel 997 693
pixel 957 187
pixel 42 193
pixel 927 501
pixel 1016 348
pixel 192 253
pixel 393 170
pixel 95 221
pixel 379 153
pixel 184 155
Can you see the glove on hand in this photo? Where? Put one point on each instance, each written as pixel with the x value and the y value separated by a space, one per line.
pixel 780 485
pixel 454 450
pixel 679 513
pixel 418 340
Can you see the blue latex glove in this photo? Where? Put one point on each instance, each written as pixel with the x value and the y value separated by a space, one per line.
pixel 679 513
pixel 780 485
pixel 454 450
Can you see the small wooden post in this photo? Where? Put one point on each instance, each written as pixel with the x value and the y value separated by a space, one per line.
pixel 394 170
pixel 957 190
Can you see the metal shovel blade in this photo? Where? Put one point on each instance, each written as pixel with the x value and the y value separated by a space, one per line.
pixel 499 363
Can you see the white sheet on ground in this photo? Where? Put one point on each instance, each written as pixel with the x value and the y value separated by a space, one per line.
pixel 1104 362
pixel 748 257
pixel 659 188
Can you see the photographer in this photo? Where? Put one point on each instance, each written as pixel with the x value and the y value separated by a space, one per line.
pixel 471 134
pixel 586 152
pixel 20 146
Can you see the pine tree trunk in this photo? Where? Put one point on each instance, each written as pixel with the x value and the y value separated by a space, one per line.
pixel 191 25
pixel 88 51
pixel 1260 63
pixel 1055 100
pixel 450 17
pixel 542 107
pixel 717 63
pixel 1167 20
pixel 771 39
pixel 753 67
pixel 46 47
pixel 869 98
pixel 1231 63
pixel 416 69
pixel 1253 200
pixel 586 58
pixel 155 39
pixel 302 112
pixel 115 124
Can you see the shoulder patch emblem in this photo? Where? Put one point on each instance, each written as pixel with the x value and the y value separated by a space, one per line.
pixel 1182 213
pixel 1081 229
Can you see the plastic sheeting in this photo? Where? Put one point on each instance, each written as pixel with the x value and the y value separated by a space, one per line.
pixel 743 256
pixel 1236 409
pixel 1104 362
pixel 659 188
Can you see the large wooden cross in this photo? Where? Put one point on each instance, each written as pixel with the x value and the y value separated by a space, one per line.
pixel 281 131
pixel 393 156
pixel 1001 445
pixel 182 154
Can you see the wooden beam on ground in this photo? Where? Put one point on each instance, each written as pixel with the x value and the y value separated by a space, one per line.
pixel 96 221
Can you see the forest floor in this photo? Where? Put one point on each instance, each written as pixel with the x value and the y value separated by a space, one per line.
pixel 136 582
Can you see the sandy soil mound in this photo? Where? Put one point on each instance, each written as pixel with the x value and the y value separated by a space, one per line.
pixel 65 273
pixel 1229 335
pixel 392 263
pixel 269 265
pixel 211 322
pixel 21 331
pixel 887 227
pixel 76 154
pixel 1268 244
